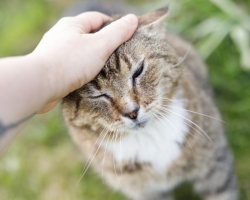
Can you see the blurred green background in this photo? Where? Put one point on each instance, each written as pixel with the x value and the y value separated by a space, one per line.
pixel 43 163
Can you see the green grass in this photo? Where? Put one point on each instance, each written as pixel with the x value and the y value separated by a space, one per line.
pixel 43 163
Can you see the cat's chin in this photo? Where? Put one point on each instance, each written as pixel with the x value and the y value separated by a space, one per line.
pixel 138 126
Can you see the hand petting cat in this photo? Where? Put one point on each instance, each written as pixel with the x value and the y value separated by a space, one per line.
pixel 67 57
pixel 73 56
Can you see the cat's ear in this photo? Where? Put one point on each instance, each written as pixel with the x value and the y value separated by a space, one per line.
pixel 153 22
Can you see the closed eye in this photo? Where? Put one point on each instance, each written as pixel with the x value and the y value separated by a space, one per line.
pixel 100 96
pixel 138 71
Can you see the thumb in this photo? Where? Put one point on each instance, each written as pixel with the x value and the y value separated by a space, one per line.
pixel 113 35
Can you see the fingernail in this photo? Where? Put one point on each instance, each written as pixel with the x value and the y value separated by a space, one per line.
pixel 132 19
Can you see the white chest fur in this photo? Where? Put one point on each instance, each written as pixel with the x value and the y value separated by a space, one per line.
pixel 157 144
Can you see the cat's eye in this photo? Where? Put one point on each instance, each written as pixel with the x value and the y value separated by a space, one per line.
pixel 138 71
pixel 100 96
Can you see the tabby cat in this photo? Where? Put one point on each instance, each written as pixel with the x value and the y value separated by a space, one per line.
pixel 147 122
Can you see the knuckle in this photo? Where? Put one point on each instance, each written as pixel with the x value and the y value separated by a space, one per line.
pixel 65 20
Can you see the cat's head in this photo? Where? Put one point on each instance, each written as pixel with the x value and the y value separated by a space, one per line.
pixel 134 82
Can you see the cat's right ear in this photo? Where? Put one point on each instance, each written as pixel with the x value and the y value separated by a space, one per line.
pixel 153 22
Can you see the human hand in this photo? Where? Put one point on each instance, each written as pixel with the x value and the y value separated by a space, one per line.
pixel 72 56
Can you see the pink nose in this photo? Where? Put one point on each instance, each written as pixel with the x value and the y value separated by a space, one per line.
pixel 133 115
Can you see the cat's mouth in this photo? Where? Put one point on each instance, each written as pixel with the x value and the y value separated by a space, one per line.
pixel 140 125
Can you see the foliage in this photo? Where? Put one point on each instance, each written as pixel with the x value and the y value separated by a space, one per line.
pixel 209 23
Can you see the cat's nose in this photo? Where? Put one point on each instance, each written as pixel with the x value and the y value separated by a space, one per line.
pixel 133 115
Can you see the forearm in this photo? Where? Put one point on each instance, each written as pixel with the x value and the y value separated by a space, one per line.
pixel 23 92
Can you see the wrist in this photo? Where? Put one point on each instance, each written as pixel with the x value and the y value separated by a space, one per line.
pixel 47 76
pixel 41 71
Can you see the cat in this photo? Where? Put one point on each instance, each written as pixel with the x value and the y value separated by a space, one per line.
pixel 147 122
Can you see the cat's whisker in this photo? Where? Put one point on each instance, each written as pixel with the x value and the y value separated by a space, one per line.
pixel 175 129
pixel 193 135
pixel 157 118
pixel 167 99
pixel 190 146
pixel 115 139
pixel 101 135
pixel 85 170
pixel 161 120
pixel 105 155
pixel 107 149
pixel 165 116
pixel 186 138
pixel 159 96
pixel 203 133
pixel 159 113
pixel 162 114
pixel 190 122
pixel 121 151
pixel 166 112
pixel 172 100
pixel 183 58
pixel 194 112
pixel 89 163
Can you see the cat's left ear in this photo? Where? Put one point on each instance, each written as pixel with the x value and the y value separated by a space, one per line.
pixel 153 22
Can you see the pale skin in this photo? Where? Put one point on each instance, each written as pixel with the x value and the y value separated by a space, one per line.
pixel 67 57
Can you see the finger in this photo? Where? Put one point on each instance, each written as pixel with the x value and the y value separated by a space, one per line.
pixel 48 107
pixel 91 21
pixel 113 35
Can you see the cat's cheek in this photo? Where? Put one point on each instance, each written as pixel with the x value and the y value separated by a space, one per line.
pixel 112 116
